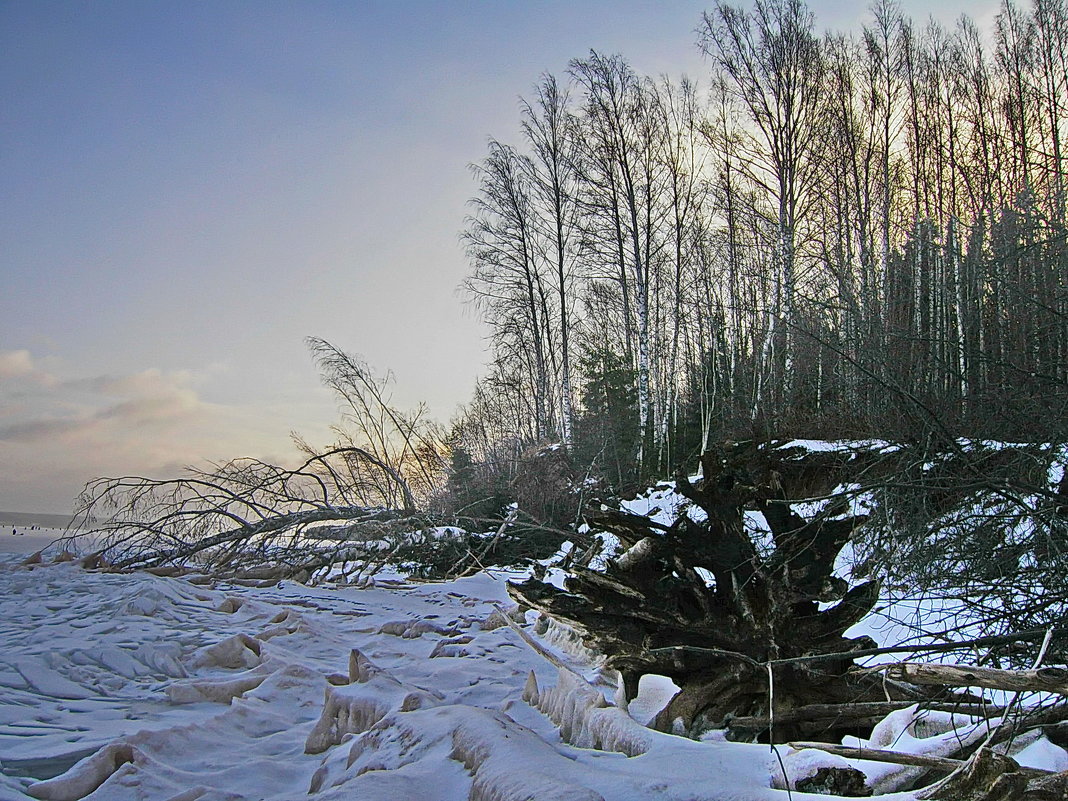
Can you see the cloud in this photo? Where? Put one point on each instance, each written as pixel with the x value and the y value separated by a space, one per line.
pixel 39 430
pixel 177 404
pixel 18 365
pixel 15 363
pixel 57 434
pixel 52 410
pixel 145 383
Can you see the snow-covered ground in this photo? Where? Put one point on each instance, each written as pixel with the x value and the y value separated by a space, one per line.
pixel 141 688
pixel 169 690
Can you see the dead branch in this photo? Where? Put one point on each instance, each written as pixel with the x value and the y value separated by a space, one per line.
pixel 1048 679
pixel 943 764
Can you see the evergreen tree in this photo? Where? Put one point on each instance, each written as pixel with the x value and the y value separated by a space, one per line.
pixel 606 432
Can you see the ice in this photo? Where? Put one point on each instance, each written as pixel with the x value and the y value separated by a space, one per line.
pixel 358 706
pixel 511 763
pixel 587 720
pixel 144 688
pixel 44 680
pixel 219 691
pixel 87 775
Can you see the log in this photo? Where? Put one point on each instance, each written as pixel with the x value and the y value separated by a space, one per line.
pixel 943 764
pixel 881 755
pixel 858 711
pixel 987 776
pixel 1047 679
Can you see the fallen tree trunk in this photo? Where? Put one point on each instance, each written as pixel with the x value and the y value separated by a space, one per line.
pixel 1047 679
pixel 862 711
pixel 936 763
pixel 732 624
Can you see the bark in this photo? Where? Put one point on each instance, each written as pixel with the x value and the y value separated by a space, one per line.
pixel 1048 679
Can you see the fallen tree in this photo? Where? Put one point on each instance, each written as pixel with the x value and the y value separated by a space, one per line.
pixel 244 519
pixel 744 627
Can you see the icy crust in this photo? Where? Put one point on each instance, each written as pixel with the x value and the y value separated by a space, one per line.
pixel 372 695
pixel 249 703
pixel 250 686
pixel 566 639
pixel 585 718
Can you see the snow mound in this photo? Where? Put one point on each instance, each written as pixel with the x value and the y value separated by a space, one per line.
pixel 511 763
pixel 87 775
pixel 412 629
pixel 586 719
pixel 358 706
pixel 239 651
pixel 219 691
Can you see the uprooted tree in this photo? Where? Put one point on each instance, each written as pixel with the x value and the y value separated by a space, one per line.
pixel 732 620
pixel 342 512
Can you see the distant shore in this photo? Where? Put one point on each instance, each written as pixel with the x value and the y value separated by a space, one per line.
pixel 27 519
pixel 28 532
pixel 27 540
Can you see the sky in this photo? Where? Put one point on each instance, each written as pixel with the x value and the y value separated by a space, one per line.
pixel 190 189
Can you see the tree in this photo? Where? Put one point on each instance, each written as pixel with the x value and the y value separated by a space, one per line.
pixel 619 174
pixel 774 65
pixel 508 279
pixel 550 130
pixel 247 518
pixel 733 621
pixel 606 436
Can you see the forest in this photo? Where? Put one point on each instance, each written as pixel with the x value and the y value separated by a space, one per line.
pixel 819 296
pixel 828 236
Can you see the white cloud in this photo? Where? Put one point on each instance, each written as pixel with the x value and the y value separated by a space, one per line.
pixel 18 365
pixel 57 434
pixel 15 363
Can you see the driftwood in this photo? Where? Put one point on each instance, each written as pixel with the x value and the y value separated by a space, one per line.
pixel 863 713
pixel 943 764
pixel 1047 679
pixel 987 776
pixel 654 609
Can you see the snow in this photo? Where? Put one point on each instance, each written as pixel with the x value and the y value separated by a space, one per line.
pixel 137 687
pixel 121 687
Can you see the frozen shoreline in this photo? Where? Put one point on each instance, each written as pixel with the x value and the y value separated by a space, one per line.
pixel 26 541
pixel 177 690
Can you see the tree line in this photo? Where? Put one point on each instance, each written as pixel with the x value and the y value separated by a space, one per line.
pixel 836 235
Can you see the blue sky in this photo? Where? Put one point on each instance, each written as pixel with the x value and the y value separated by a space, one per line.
pixel 188 189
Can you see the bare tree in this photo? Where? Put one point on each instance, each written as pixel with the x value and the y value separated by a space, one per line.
pixel 550 130
pixel 508 280
pixel 258 520
pixel 618 170
pixel 774 65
